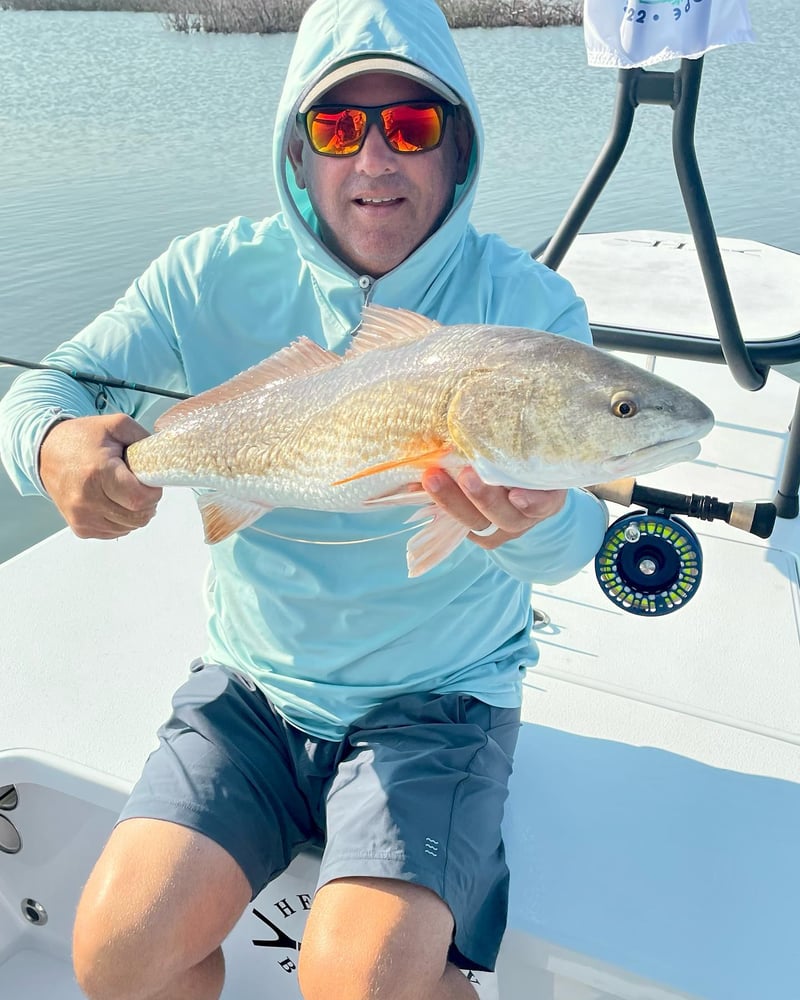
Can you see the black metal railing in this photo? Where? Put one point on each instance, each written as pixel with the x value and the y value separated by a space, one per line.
pixel 748 362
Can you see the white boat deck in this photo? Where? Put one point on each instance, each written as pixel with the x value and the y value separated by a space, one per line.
pixel 654 817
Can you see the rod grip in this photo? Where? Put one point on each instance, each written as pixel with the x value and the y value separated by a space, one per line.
pixel 618 491
pixel 755 518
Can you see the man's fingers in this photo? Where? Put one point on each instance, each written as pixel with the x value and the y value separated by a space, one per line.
pixel 493 503
pixel 494 514
pixel 125 503
pixel 537 504
pixel 450 495
pixel 489 510
pixel 84 471
pixel 121 517
pixel 105 519
pixel 129 495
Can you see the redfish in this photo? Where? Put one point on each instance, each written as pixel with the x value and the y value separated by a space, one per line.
pixel 307 428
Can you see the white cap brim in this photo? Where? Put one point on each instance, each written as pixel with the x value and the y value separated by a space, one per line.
pixel 377 64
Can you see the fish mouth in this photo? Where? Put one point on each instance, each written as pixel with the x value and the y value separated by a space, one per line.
pixel 655 457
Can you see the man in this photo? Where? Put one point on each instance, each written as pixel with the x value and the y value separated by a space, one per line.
pixel 338 702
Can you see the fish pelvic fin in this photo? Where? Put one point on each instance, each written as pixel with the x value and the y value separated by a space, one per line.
pixel 301 357
pixel 223 515
pixel 437 539
pixel 384 327
pixel 420 460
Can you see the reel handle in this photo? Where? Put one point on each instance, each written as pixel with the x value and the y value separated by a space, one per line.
pixel 756 518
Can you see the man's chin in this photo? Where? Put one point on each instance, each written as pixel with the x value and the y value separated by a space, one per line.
pixel 375 258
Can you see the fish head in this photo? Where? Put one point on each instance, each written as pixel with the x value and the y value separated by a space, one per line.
pixel 560 413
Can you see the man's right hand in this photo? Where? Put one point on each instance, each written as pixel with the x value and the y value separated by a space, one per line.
pixel 82 467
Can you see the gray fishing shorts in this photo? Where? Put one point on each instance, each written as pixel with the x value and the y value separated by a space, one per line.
pixel 415 791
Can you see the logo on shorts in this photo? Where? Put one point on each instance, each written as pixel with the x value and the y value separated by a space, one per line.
pixel 432 847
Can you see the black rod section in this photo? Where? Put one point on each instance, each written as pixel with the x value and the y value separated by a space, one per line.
pixel 702 226
pixel 88 377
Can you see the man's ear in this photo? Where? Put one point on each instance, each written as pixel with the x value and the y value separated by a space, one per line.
pixel 464 139
pixel 297 148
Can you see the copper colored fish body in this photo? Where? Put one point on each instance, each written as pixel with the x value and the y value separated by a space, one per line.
pixel 309 429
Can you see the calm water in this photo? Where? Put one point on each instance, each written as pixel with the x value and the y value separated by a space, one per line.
pixel 117 135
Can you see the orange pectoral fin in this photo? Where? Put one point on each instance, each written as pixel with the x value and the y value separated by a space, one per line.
pixel 423 460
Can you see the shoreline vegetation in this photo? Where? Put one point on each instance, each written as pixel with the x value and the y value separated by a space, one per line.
pixel 266 17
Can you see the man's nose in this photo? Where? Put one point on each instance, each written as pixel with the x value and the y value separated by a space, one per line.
pixel 375 156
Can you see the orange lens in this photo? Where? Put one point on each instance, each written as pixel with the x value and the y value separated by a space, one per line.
pixel 410 129
pixel 407 128
pixel 338 132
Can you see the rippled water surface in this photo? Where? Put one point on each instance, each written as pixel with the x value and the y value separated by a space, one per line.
pixel 117 135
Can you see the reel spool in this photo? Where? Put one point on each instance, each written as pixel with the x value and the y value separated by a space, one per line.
pixel 649 564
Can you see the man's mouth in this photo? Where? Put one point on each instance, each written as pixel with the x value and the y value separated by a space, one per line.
pixel 377 201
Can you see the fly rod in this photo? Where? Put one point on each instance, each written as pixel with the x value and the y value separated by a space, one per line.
pixel 88 377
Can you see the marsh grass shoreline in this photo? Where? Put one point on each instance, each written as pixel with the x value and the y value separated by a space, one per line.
pixel 266 17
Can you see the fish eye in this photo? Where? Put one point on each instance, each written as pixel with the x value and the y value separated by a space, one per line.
pixel 624 405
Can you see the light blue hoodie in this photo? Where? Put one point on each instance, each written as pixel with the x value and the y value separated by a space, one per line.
pixel 329 630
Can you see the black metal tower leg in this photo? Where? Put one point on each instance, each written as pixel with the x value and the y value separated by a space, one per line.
pixel 598 176
pixel 702 226
pixel 786 499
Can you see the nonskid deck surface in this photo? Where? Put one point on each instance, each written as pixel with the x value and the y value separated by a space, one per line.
pixel 730 655
pixel 652 280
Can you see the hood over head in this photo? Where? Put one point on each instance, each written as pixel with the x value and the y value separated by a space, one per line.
pixel 377 64
pixel 341 38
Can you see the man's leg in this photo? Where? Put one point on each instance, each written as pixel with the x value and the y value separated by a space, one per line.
pixel 379 939
pixel 414 869
pixel 153 914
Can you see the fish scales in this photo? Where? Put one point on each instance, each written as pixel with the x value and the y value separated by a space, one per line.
pixel 315 429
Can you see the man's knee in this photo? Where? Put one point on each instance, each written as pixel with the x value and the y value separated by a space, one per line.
pixel 145 920
pixel 374 937
pixel 111 962
pixel 114 967
pixel 107 973
pixel 102 962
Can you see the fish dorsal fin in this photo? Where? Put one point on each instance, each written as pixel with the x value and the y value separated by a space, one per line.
pixel 301 357
pixel 382 327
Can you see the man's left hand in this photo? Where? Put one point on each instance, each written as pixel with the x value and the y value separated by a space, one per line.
pixel 473 503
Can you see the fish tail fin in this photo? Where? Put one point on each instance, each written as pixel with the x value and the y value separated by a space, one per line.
pixel 223 514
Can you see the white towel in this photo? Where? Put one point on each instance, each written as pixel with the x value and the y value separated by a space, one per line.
pixel 627 33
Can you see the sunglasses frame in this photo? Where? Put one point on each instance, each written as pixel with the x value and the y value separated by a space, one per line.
pixel 374 117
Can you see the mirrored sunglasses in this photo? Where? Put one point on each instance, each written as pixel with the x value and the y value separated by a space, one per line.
pixel 407 127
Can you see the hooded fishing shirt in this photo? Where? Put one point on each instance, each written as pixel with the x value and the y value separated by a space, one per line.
pixel 330 630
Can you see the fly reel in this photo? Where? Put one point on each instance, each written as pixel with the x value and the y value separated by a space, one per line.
pixel 650 562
